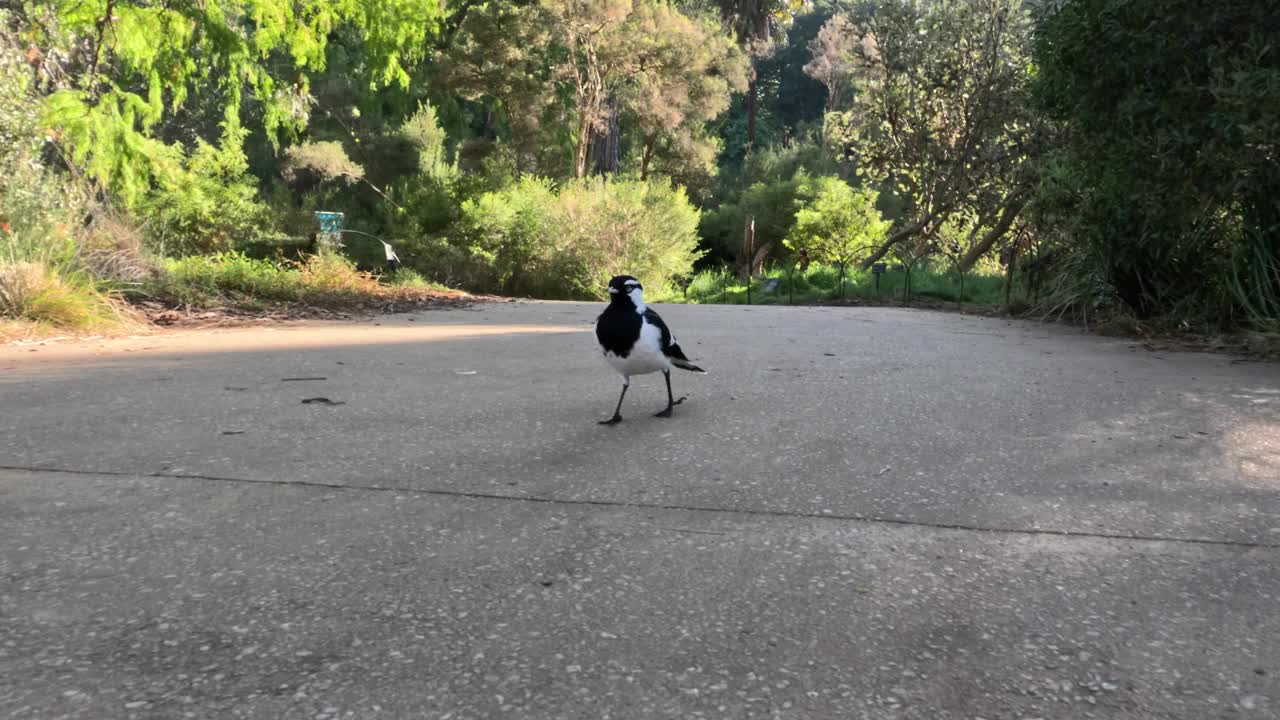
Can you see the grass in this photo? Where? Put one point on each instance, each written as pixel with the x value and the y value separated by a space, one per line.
pixel 236 280
pixel 41 297
pixel 38 295
pixel 822 283
pixel 410 279
pixel 46 286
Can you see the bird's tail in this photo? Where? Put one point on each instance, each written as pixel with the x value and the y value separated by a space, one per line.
pixel 686 365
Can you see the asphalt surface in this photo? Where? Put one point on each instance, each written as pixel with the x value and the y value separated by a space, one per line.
pixel 860 513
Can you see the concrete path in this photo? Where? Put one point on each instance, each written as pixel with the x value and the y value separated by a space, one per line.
pixel 860 513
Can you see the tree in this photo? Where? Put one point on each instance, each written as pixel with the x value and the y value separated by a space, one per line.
pixel 641 60
pixel 507 55
pixel 938 111
pixel 838 223
pixel 756 25
pixel 687 82
pixel 112 69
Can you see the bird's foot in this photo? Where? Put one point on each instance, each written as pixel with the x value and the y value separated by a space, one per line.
pixel 612 421
pixel 667 413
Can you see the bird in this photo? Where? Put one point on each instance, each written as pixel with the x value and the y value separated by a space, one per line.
pixel 635 341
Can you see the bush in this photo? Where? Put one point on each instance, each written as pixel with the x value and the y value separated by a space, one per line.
pixel 1163 188
pixel 206 202
pixel 647 229
pixel 33 292
pixel 201 279
pixel 772 204
pixel 532 239
pixel 50 240
pixel 838 223
pixel 204 280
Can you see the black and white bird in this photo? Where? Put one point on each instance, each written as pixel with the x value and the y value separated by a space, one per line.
pixel 635 341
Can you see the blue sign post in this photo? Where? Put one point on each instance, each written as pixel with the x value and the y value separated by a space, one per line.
pixel 330 237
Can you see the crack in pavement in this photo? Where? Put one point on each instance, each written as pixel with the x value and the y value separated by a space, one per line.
pixel 624 504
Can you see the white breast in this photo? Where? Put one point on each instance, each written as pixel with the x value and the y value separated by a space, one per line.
pixel 645 357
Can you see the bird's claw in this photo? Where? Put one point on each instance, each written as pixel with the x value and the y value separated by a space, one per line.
pixel 612 421
pixel 667 413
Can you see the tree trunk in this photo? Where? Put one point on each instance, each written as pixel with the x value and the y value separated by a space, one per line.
pixel 751 108
pixel 1013 205
pixel 584 144
pixel 605 145
pixel 646 155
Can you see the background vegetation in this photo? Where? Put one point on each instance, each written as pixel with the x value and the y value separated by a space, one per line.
pixel 1119 156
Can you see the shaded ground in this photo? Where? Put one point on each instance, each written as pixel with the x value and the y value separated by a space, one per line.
pixel 861 513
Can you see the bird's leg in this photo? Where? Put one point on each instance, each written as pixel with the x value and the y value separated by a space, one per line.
pixel 671 401
pixel 617 412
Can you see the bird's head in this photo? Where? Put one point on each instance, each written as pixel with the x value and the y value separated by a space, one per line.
pixel 625 286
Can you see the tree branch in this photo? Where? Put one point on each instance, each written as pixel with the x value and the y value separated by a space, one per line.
pixel 903 234
pixel 1012 206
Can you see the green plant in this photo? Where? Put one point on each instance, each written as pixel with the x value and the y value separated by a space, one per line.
pixel 33 292
pixel 1163 189
pixel 206 202
pixel 772 205
pixel 534 239
pixel 838 223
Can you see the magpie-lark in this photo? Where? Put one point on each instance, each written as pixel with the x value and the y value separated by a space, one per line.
pixel 635 341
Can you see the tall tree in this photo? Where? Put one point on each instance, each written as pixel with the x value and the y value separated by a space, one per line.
pixel 937 108
pixel 687 81
pixel 756 25
pixel 607 61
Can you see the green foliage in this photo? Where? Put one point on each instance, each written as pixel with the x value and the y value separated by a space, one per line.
pixel 838 223
pixel 37 293
pixel 319 162
pixel 562 71
pixel 772 205
pixel 132 62
pixel 777 184
pixel 1167 182
pixel 821 283
pixel 422 130
pixel 535 239
pixel 45 266
pixel 37 206
pixel 930 99
pixel 234 278
pixel 209 204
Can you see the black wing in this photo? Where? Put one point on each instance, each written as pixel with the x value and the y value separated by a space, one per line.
pixel 670 347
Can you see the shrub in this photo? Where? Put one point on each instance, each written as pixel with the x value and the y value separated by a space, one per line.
pixel 44 266
pixel 772 204
pixel 532 239
pixel 647 229
pixel 838 223
pixel 33 292
pixel 1164 184
pixel 206 202
pixel 234 277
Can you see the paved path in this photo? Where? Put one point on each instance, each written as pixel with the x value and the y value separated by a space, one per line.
pixel 860 513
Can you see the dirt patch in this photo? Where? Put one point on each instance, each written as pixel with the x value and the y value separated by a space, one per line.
pixel 144 316
pixel 170 316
